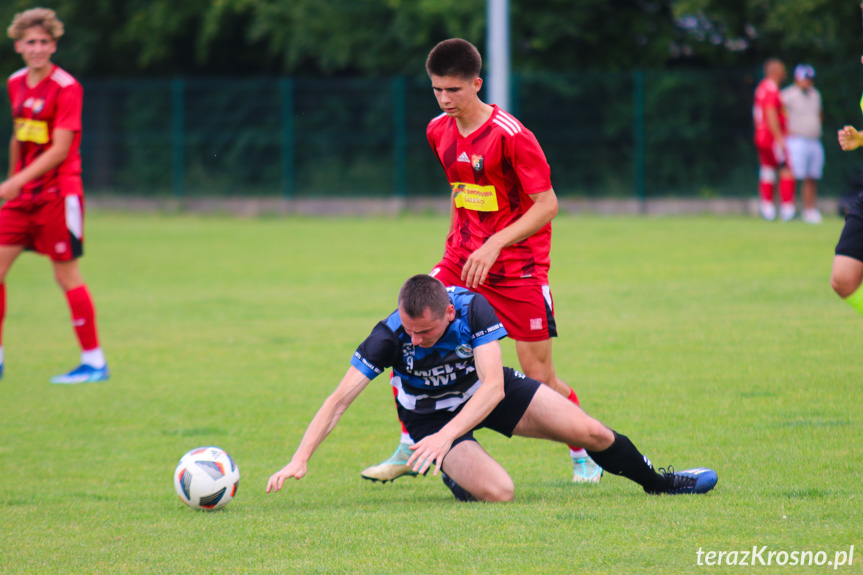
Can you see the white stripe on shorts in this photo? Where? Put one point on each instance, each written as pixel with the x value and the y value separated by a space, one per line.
pixel 74 219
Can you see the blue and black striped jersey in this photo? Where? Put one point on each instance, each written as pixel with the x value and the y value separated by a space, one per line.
pixel 439 377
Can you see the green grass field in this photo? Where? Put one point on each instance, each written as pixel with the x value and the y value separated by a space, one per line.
pixel 708 341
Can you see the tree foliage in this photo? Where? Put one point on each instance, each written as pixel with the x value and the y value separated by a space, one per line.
pixel 382 37
pixel 818 31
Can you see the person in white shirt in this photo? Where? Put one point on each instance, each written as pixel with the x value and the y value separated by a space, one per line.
pixel 806 153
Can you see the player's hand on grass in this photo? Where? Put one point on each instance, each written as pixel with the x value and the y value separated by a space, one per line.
pixel 429 450
pixel 277 480
pixel 849 138
pixel 477 266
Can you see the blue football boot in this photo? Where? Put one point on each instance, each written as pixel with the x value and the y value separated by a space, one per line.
pixel 696 480
pixel 83 374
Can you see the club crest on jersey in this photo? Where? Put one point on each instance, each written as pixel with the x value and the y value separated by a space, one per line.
pixel 35 104
pixel 464 351
pixel 476 162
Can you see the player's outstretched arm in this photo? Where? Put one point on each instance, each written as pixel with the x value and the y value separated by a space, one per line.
pixel 277 479
pixel 433 448
pixel 849 138
pixel 325 420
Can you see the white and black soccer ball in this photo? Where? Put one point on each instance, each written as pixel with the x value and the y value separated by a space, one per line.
pixel 206 478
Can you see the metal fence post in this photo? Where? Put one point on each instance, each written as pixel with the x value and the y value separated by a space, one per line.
pixel 400 137
pixel 638 136
pixel 286 94
pixel 178 137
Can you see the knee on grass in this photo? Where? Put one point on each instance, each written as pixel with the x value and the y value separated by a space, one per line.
pixel 500 492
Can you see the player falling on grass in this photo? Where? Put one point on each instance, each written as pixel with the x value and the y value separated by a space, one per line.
pixel 499 238
pixel 847 275
pixel 43 197
pixel 768 114
pixel 438 330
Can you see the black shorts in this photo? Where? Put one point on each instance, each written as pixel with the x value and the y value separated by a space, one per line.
pixel 518 393
pixel 851 240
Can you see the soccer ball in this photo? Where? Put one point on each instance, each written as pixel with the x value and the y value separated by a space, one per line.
pixel 206 478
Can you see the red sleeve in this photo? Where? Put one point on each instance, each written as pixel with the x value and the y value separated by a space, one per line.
pixel 773 100
pixel 69 102
pixel 9 91
pixel 429 135
pixel 433 134
pixel 434 131
pixel 529 162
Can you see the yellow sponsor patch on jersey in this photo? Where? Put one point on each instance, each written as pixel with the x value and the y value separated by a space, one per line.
pixel 27 130
pixel 474 197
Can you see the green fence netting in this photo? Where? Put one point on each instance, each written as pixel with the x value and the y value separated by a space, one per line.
pixel 639 134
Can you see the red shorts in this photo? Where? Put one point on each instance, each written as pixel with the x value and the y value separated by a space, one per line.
pixel 52 226
pixel 770 154
pixel 527 312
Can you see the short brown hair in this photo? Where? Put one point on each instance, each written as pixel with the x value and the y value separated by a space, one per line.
pixel 423 292
pixel 454 57
pixel 43 17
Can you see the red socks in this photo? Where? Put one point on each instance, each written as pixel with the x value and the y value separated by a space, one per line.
pixel 83 317
pixel 573 398
pixel 766 189
pixel 786 190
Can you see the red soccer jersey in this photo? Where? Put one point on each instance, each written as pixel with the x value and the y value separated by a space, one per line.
pixel 53 103
pixel 492 173
pixel 766 97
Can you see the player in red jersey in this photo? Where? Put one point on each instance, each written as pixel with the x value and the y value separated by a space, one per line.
pixel 500 225
pixel 43 197
pixel 768 114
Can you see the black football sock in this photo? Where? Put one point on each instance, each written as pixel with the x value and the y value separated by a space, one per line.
pixel 623 458
pixel 460 492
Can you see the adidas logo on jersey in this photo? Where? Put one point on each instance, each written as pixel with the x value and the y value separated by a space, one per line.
pixel 463 157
